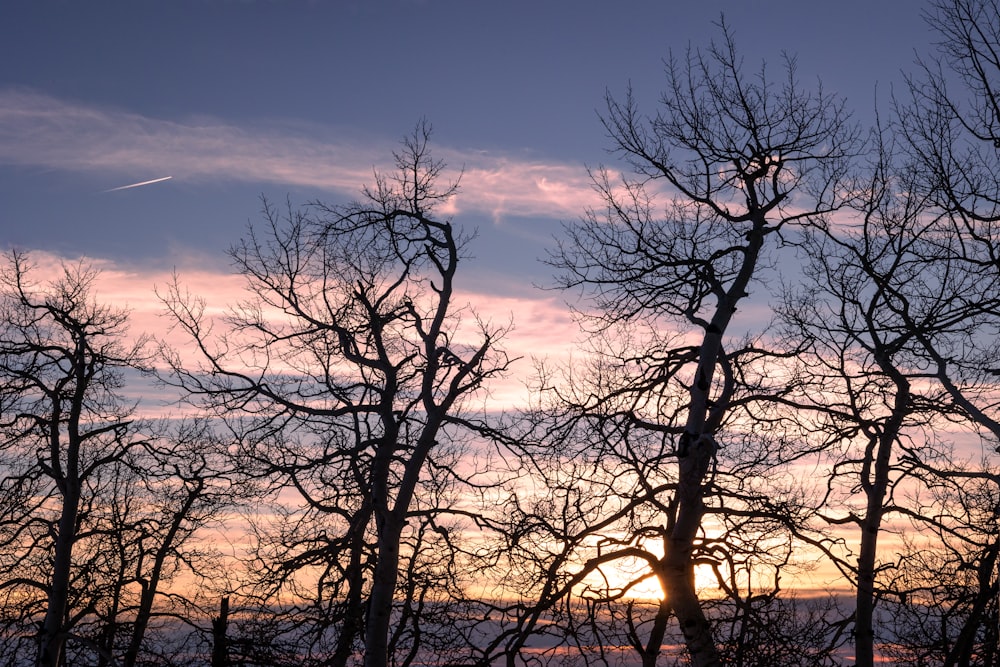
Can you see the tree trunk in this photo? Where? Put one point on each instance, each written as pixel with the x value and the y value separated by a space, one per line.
pixel 696 451
pixel 651 651
pixel 678 571
pixel 961 652
pixel 382 592
pixel 53 636
pixel 875 484
pixel 354 603
pixel 220 640
pixel 151 586
pixel 864 634
pixel 390 522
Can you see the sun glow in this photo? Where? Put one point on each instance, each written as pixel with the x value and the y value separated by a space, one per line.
pixel 632 578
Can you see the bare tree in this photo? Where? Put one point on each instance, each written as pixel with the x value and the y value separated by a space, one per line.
pixel 920 272
pixel 950 126
pixel 897 313
pixel 100 510
pixel 943 606
pixel 63 358
pixel 185 485
pixel 743 158
pixel 352 343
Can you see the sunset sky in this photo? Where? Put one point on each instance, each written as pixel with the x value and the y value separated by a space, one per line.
pixel 208 105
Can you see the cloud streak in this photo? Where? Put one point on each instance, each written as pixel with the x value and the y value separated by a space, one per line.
pixel 43 131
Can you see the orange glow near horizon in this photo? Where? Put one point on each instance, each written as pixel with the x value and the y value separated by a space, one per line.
pixel 542 327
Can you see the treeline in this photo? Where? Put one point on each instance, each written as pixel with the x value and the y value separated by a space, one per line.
pixel 791 365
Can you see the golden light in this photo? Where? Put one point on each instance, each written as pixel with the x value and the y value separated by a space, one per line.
pixel 633 579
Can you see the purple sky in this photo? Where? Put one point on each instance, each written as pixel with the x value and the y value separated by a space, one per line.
pixel 234 99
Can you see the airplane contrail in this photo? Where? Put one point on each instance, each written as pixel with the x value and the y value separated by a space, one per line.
pixel 139 185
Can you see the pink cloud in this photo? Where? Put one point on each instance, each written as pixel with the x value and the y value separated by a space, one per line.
pixel 542 325
pixel 41 130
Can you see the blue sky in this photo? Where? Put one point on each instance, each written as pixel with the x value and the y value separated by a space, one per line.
pixel 235 99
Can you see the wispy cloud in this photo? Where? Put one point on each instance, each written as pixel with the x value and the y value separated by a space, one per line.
pixel 41 130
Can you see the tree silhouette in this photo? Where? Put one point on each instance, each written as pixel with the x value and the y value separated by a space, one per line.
pixel 743 158
pixel 352 348
pixel 64 425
